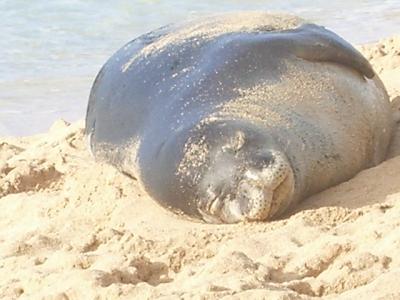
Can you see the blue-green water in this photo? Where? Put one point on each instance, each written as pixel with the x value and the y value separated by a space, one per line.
pixel 50 51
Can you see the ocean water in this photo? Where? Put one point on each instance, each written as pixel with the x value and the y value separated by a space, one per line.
pixel 50 51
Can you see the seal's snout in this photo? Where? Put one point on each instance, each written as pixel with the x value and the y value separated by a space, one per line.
pixel 245 182
pixel 261 192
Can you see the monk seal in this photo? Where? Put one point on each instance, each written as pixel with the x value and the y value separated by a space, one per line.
pixel 237 117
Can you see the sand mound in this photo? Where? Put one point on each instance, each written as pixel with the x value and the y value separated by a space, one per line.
pixel 74 229
pixel 385 58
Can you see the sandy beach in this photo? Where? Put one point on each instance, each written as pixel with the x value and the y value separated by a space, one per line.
pixel 71 228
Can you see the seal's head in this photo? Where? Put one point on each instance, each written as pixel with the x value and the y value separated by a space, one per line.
pixel 239 173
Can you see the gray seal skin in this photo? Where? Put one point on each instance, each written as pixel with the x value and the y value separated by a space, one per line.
pixel 237 117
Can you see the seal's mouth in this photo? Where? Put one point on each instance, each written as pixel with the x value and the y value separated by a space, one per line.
pixel 257 196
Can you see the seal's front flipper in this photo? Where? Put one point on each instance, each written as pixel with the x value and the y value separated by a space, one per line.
pixel 315 43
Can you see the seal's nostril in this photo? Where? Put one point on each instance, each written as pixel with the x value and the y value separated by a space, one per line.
pixel 265 160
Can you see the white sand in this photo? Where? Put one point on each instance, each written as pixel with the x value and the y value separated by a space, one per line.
pixel 73 229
